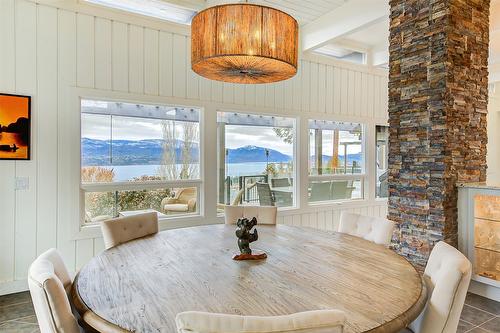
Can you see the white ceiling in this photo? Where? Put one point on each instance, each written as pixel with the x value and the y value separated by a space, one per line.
pixel 357 25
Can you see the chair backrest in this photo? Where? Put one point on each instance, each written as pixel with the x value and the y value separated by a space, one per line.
pixel 340 190
pixel 49 283
pixel 123 229
pixel 321 191
pixel 447 276
pixel 280 182
pixel 264 214
pixel 320 321
pixel 186 194
pixel 374 229
pixel 265 195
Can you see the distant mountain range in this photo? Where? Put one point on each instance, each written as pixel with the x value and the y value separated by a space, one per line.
pixel 255 154
pixel 149 152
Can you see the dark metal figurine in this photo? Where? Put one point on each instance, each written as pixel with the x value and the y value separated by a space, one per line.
pixel 245 237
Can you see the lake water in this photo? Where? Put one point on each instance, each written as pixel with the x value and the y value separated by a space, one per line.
pixel 10 139
pixel 127 172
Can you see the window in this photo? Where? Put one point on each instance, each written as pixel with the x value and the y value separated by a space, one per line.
pixel 154 8
pixel 382 158
pixel 139 157
pixel 336 161
pixel 256 155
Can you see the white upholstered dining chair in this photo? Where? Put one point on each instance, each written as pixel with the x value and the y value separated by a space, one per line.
pixel 264 214
pixel 375 229
pixel 50 283
pixel 447 277
pixel 123 229
pixel 319 321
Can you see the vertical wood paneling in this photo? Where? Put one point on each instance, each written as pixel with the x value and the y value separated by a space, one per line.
pixel 306 85
pixel 358 92
pixel 297 89
pixel 322 95
pixel 313 87
pixel 98 246
pixel 279 102
pixel 250 94
pixel 136 59
pixel 179 66
pixel 377 100
pixel 329 89
pixel 26 75
pixel 269 99
pixel 239 94
pixel 47 129
pixel 217 89
pixel 103 43
pixel 351 93
pixel 193 85
pixel 120 56
pixel 288 94
pixel 371 96
pixel 329 220
pixel 205 89
pixel 260 95
pixel 84 252
pixel 7 168
pixel 151 62
pixel 384 95
pixel 166 61
pixel 227 93
pixel 67 77
pixel 85 50
pixel 364 94
pixel 321 220
pixel 344 94
pixel 7 40
pixel 337 90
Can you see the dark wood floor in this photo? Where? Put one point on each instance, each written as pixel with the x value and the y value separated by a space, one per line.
pixel 480 315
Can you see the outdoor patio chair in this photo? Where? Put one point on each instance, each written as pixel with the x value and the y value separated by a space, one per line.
pixel 265 195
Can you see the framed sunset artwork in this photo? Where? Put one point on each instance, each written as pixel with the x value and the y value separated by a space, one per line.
pixel 15 127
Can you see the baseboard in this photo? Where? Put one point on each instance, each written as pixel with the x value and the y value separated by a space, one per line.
pixel 12 287
pixel 484 290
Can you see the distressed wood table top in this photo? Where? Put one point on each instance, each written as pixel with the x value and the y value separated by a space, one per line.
pixel 141 285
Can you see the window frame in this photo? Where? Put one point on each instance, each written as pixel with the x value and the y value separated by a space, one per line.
pixel 296 151
pixel 87 187
pixel 378 124
pixel 362 177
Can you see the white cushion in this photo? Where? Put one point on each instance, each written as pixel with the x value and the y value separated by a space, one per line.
pixel 264 214
pixel 447 276
pixel 123 229
pixel 320 321
pixel 374 229
pixel 176 207
pixel 49 283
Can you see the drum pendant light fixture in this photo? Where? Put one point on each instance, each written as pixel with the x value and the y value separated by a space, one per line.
pixel 244 43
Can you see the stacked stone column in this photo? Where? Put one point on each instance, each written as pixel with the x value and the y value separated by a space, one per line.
pixel 438 93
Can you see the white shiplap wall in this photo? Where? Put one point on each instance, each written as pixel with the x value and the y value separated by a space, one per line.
pixel 47 51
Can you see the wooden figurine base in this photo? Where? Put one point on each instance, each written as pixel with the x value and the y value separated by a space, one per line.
pixel 256 255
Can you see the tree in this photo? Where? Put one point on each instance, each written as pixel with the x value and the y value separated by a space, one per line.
pixel 287 134
pixel 189 136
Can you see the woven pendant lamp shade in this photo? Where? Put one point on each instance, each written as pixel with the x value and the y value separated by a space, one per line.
pixel 244 43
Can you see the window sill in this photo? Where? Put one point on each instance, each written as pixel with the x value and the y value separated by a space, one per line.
pixel 94 230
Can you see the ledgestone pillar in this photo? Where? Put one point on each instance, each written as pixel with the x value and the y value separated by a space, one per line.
pixel 438 93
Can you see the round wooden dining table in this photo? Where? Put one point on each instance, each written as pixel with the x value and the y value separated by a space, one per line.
pixel 141 285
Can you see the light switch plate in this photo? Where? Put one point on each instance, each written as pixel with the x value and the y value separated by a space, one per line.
pixel 22 183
